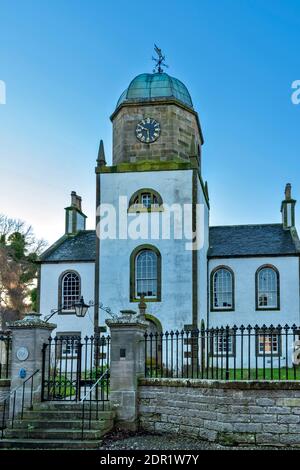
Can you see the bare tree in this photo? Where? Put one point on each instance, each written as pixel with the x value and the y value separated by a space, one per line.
pixel 19 251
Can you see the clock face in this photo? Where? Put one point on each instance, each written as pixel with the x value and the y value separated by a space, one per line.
pixel 148 130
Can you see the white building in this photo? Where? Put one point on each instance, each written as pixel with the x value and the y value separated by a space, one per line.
pixel 246 274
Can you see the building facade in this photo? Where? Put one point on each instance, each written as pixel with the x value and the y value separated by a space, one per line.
pixel 152 236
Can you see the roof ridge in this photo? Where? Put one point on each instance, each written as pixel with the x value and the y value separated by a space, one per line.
pixel 247 225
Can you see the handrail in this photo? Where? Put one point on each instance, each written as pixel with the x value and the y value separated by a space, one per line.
pixel 19 386
pixel 94 386
pixel 89 394
pixel 13 393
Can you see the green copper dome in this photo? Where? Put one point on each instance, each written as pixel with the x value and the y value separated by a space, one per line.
pixel 148 87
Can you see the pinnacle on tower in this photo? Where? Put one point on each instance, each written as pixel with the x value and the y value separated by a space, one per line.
pixel 101 155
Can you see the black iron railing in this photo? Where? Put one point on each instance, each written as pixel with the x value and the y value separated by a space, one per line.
pixel 72 366
pixel 5 349
pixel 11 400
pixel 225 353
pixel 94 401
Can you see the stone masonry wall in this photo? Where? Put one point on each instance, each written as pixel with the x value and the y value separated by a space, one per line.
pixel 179 129
pixel 231 413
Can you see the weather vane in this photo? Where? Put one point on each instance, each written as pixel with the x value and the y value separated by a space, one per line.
pixel 160 60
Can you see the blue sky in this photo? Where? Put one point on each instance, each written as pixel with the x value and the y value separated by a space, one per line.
pixel 65 63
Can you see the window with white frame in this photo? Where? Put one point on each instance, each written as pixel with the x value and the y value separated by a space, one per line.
pixel 70 290
pixel 267 288
pixel 268 344
pixel 222 344
pixel 67 345
pixel 222 289
pixel 146 274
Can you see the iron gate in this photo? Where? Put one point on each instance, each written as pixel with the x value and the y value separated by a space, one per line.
pixel 71 367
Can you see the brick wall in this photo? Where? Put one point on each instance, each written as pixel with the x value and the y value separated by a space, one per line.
pixel 261 413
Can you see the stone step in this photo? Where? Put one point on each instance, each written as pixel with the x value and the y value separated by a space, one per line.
pixel 56 434
pixel 64 414
pixel 39 423
pixel 48 444
pixel 71 406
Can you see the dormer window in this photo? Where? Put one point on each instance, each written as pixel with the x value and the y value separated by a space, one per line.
pixel 145 200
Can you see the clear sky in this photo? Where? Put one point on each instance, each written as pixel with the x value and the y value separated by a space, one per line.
pixel 65 63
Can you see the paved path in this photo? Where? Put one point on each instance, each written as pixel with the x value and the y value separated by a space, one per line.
pixel 139 441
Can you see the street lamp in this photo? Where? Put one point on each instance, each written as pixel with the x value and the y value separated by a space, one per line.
pixel 81 308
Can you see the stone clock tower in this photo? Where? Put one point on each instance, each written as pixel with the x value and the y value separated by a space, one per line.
pixel 161 104
pixel 157 141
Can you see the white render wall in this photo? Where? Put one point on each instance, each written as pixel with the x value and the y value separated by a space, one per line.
pixel 245 307
pixel 202 260
pixel 175 309
pixel 50 274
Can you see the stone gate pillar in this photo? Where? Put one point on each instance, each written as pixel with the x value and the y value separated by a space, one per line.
pixel 126 366
pixel 28 336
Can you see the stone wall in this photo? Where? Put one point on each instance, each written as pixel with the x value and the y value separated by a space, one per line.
pixel 231 413
pixel 179 131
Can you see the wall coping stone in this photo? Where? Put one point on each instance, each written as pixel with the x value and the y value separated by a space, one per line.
pixel 222 384
pixel 32 321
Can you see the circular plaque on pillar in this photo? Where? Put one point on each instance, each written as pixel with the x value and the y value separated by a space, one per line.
pixel 22 353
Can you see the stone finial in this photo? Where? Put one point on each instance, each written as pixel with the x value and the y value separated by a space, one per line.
pixel 101 161
pixel 288 192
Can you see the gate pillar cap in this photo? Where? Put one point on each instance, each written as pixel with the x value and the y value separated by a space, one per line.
pixel 32 320
pixel 126 321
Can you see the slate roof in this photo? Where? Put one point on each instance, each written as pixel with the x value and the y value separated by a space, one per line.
pixel 250 240
pixel 80 247
pixel 224 242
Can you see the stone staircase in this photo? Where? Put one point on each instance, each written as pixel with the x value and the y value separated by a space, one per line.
pixel 57 425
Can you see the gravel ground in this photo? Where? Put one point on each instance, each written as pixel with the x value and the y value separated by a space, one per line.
pixel 142 441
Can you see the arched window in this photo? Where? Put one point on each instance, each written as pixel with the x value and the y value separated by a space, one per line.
pixel 145 273
pixel 267 288
pixel 222 289
pixel 69 290
pixel 145 200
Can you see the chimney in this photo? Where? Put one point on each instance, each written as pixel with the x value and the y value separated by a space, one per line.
pixel 75 219
pixel 288 208
pixel 76 200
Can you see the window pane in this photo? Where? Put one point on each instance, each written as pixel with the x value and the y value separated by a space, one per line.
pixel 220 345
pixel 222 289
pixel 267 288
pixel 146 200
pixel 70 290
pixel 268 344
pixel 146 274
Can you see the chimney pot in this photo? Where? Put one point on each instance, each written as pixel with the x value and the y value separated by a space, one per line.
pixel 73 198
pixel 288 192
